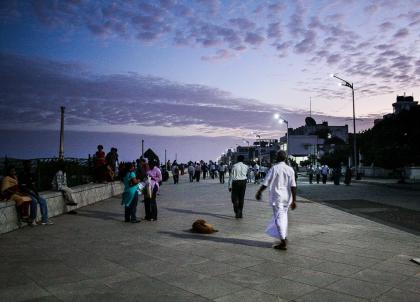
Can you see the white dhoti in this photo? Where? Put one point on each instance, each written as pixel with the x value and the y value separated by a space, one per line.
pixel 277 227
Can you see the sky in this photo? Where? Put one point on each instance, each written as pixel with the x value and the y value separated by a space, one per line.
pixel 198 71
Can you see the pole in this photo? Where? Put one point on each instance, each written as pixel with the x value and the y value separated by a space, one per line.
pixel 287 140
pixel 142 147
pixel 354 136
pixel 165 156
pixel 61 150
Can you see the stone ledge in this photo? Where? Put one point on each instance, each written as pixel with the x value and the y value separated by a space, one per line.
pixel 84 195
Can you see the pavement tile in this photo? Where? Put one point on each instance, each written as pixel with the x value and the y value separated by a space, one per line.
pixel 359 288
pixel 399 295
pixel 298 260
pixel 380 277
pixel 23 292
pixel 409 269
pixel 79 290
pixel 212 268
pixel 285 289
pixel 275 269
pixel 323 295
pixel 249 295
pixel 311 277
pixel 210 288
pixel 246 278
pixel 411 284
pixel 336 268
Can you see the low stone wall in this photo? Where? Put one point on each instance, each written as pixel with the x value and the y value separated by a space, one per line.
pixel 83 195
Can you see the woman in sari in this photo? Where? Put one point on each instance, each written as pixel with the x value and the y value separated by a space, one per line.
pixel 130 195
pixel 10 191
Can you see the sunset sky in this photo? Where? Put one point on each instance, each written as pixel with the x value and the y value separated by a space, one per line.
pixel 211 70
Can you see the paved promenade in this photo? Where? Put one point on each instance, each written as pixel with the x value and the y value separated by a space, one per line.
pixel 93 256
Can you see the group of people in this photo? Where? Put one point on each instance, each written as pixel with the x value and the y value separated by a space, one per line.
pixel 105 166
pixel 23 191
pixel 323 172
pixel 141 180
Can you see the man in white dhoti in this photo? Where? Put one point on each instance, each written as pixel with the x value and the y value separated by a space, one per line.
pixel 281 183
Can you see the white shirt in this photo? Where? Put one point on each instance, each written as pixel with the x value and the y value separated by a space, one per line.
pixel 279 180
pixel 239 172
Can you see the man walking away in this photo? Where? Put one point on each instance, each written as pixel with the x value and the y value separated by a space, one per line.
pixel 281 184
pixel 222 171
pixel 311 174
pixel 237 185
pixel 191 172
pixel 318 174
pixel 324 172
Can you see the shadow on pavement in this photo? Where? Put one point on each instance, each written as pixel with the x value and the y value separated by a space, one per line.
pixel 200 213
pixel 101 215
pixel 189 235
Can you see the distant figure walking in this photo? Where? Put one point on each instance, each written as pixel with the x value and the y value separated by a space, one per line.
pixel 222 172
pixel 197 172
pixel 237 185
pixel 191 171
pixel 281 184
pixel 175 172
pixel 324 172
pixel 311 174
pixel 318 174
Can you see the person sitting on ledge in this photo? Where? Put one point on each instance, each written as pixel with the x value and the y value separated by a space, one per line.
pixel 10 191
pixel 59 183
pixel 27 184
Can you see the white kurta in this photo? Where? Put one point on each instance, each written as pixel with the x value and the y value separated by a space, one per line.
pixel 279 180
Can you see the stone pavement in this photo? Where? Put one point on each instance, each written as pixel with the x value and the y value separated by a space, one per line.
pixel 94 256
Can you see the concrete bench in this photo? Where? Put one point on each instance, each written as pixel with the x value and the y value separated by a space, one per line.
pixel 83 196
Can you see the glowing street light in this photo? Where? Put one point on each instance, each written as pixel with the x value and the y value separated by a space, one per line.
pixel 281 122
pixel 350 85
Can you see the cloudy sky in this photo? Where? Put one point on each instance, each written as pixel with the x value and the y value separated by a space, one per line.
pixel 200 68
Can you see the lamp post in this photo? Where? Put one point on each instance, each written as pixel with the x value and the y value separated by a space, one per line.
pixel 281 121
pixel 350 85
pixel 259 148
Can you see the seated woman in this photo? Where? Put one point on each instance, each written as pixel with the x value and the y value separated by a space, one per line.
pixel 10 191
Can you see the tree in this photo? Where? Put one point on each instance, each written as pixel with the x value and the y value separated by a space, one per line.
pixel 394 142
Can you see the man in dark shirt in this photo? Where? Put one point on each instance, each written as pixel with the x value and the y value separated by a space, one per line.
pixel 27 182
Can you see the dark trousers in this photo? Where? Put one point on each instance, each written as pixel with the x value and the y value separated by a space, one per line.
pixel 197 176
pixel 324 179
pixel 150 206
pixel 318 178
pixel 204 174
pixel 191 176
pixel 176 178
pixel 238 196
pixel 311 177
pixel 222 177
pixel 130 211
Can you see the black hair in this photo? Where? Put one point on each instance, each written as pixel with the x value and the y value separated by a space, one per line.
pixel 241 158
pixel 281 156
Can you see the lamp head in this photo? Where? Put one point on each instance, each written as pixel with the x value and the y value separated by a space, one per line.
pixel 276 116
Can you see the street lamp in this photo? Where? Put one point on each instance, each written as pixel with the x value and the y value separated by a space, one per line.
pixel 350 85
pixel 259 148
pixel 281 121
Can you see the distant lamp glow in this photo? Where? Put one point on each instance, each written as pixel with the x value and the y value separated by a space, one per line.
pixel 331 75
pixel 276 116
pixel 281 121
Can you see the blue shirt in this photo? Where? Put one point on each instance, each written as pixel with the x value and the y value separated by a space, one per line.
pixel 129 191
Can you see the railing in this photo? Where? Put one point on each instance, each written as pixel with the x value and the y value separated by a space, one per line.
pixel 79 170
